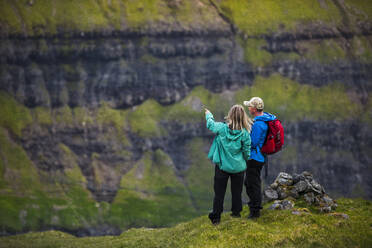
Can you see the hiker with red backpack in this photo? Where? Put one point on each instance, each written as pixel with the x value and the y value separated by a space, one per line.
pixel 266 138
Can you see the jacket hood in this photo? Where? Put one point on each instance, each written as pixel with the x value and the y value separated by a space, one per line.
pixel 265 117
pixel 233 134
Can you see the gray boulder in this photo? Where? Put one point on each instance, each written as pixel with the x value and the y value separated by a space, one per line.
pixel 301 186
pixel 271 194
pixel 309 198
pixel 284 179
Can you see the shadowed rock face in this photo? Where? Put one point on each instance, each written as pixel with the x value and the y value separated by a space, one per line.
pixel 125 71
pixel 122 71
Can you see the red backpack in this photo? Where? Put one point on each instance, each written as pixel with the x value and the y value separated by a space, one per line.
pixel 275 137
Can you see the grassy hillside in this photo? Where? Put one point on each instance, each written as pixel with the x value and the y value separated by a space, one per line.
pixel 276 228
pixel 32 199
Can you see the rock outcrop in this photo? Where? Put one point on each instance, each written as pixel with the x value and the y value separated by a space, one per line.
pixel 287 188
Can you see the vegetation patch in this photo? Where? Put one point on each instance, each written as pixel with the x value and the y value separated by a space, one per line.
pixel 362 48
pixel 273 229
pixel 324 51
pixel 191 108
pixel 13 115
pixel 294 101
pixel 144 119
pixel 199 175
pixel 254 52
pixel 42 115
pixel 257 17
pixel 151 194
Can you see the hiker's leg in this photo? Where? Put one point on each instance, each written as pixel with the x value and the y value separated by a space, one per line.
pixel 220 183
pixel 253 184
pixel 236 192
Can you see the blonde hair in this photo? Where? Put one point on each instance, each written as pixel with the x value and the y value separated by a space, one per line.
pixel 237 118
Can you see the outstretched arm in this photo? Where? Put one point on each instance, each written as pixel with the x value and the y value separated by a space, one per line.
pixel 211 124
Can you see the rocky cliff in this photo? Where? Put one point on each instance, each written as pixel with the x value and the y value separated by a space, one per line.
pixel 101 121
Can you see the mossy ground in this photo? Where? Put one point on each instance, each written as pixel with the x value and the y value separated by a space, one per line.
pixel 274 228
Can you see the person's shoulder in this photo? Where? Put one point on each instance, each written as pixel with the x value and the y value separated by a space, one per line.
pixel 261 124
pixel 246 134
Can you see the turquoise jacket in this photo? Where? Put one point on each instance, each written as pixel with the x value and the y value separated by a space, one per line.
pixel 230 148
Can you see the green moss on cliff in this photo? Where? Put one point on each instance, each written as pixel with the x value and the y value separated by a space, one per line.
pixel 199 176
pixel 118 118
pixel 294 101
pixel 21 175
pixel 144 119
pixel 151 194
pixel 190 109
pixel 83 116
pixel 362 48
pixel 42 115
pixel 63 115
pixel 139 13
pixel 254 52
pixel 360 9
pixel 13 116
pixel 32 199
pixel 9 17
pixel 256 17
pixel 324 51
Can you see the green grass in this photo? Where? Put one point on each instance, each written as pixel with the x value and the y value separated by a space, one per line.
pixel 31 199
pixel 106 115
pixel 257 17
pixel 13 115
pixel 50 17
pixel 42 115
pixel 325 51
pixel 190 108
pixel 151 194
pixel 144 120
pixel 21 174
pixel 199 176
pixel 272 229
pixel 254 52
pixel 293 101
pixel 139 13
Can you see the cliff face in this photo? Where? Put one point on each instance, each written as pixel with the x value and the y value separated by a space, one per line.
pixel 101 119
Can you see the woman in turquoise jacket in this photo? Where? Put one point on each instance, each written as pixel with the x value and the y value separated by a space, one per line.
pixel 229 152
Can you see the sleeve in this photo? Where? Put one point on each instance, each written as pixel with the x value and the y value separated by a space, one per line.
pixel 212 125
pixel 246 147
pixel 258 133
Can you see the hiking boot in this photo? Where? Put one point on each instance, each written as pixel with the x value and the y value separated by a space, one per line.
pixel 214 218
pixel 254 214
pixel 235 215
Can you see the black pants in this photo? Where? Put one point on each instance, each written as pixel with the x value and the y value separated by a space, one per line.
pixel 220 184
pixel 253 184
